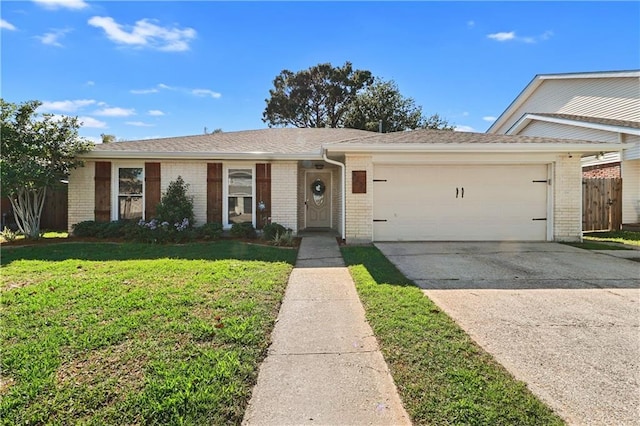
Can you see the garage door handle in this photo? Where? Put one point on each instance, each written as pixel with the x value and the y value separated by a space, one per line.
pixel 462 193
pixel 456 192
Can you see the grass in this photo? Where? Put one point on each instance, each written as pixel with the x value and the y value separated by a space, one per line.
pixel 47 235
pixel 595 245
pixel 624 237
pixel 443 376
pixel 135 334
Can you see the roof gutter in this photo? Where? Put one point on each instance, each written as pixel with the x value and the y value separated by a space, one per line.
pixel 343 194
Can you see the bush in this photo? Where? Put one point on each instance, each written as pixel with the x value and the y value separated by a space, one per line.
pixel 210 231
pixel 8 234
pixel 158 232
pixel 91 228
pixel 175 205
pixel 244 230
pixel 270 231
pixel 284 239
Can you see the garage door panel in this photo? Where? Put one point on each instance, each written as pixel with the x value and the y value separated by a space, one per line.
pixel 460 203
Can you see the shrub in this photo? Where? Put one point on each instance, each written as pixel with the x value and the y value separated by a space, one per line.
pixel 270 231
pixel 175 205
pixel 244 230
pixel 210 231
pixel 91 228
pixel 284 239
pixel 8 234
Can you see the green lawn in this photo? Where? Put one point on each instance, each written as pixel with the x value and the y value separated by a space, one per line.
pixel 134 333
pixel 625 237
pixel 443 377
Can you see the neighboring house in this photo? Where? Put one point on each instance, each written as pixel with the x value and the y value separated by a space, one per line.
pixel 598 106
pixel 415 185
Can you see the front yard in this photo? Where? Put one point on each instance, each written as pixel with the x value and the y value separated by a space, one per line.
pixel 136 333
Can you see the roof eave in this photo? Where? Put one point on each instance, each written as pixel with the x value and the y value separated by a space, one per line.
pixel 482 148
pixel 137 155
pixel 527 118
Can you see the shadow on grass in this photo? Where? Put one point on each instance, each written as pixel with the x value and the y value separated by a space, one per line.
pixel 215 250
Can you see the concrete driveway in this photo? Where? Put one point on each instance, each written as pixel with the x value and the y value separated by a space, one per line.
pixel 564 320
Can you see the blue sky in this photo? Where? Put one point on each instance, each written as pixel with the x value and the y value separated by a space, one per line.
pixel 141 69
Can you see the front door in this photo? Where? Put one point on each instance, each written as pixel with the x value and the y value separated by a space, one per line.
pixel 318 199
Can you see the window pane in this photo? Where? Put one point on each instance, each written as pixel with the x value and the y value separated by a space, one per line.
pixel 130 207
pixel 240 195
pixel 130 181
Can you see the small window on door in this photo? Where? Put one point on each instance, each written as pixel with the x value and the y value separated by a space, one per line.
pixel 240 196
pixel 130 187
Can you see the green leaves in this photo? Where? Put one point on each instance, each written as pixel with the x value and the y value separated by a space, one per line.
pixel 37 152
pixel 316 97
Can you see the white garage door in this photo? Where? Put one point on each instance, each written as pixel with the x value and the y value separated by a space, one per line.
pixel 460 203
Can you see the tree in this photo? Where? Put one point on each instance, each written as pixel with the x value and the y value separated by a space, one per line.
pixel 317 97
pixel 382 106
pixel 107 138
pixel 38 152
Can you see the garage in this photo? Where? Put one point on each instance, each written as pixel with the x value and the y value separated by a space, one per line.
pixel 460 202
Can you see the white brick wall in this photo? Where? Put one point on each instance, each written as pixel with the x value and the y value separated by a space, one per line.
pixel 567 199
pixel 284 194
pixel 630 170
pixel 194 174
pixel 81 194
pixel 359 218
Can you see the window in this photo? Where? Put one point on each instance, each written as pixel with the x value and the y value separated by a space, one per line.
pixel 240 196
pixel 130 187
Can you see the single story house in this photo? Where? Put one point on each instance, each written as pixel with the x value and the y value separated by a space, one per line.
pixel 413 185
pixel 597 106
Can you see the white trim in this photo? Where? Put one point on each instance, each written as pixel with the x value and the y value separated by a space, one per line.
pixel 528 117
pixel 328 187
pixel 115 186
pixel 225 191
pixel 343 194
pixel 550 197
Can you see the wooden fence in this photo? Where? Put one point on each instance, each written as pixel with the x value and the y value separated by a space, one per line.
pixel 601 204
pixel 54 212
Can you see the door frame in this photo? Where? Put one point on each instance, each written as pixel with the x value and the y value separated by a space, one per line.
pixel 328 189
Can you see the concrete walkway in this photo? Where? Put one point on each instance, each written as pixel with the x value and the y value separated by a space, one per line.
pixel 324 366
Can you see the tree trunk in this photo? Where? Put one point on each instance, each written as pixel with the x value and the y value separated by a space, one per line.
pixel 27 207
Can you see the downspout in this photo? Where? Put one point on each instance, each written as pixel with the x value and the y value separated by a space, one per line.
pixel 343 193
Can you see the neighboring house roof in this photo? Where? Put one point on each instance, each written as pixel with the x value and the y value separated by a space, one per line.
pixel 309 143
pixel 264 143
pixel 598 123
pixel 540 79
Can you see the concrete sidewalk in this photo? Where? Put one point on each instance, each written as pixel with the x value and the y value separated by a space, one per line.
pixel 324 366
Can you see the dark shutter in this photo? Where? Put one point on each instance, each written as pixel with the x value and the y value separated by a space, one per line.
pixel 151 189
pixel 102 191
pixel 214 192
pixel 263 193
pixel 359 182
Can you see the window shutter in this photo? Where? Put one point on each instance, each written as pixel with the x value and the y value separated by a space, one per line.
pixel 152 188
pixel 359 182
pixel 263 193
pixel 102 180
pixel 214 192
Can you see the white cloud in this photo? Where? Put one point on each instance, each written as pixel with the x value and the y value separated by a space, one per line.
pixel 52 38
pixel 205 92
pixel 502 36
pixel 155 112
pixel 143 91
pixel 464 129
pixel 164 86
pixel 91 122
pixel 509 36
pixel 67 4
pixel 90 83
pixel 471 24
pixel 145 33
pixel 115 112
pixel 489 118
pixel 94 139
pixel 7 25
pixel 139 124
pixel 65 106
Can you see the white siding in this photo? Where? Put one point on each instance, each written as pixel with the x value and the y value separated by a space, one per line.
pixel 615 98
pixel 630 171
pixel 563 131
pixel 82 195
pixel 632 153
